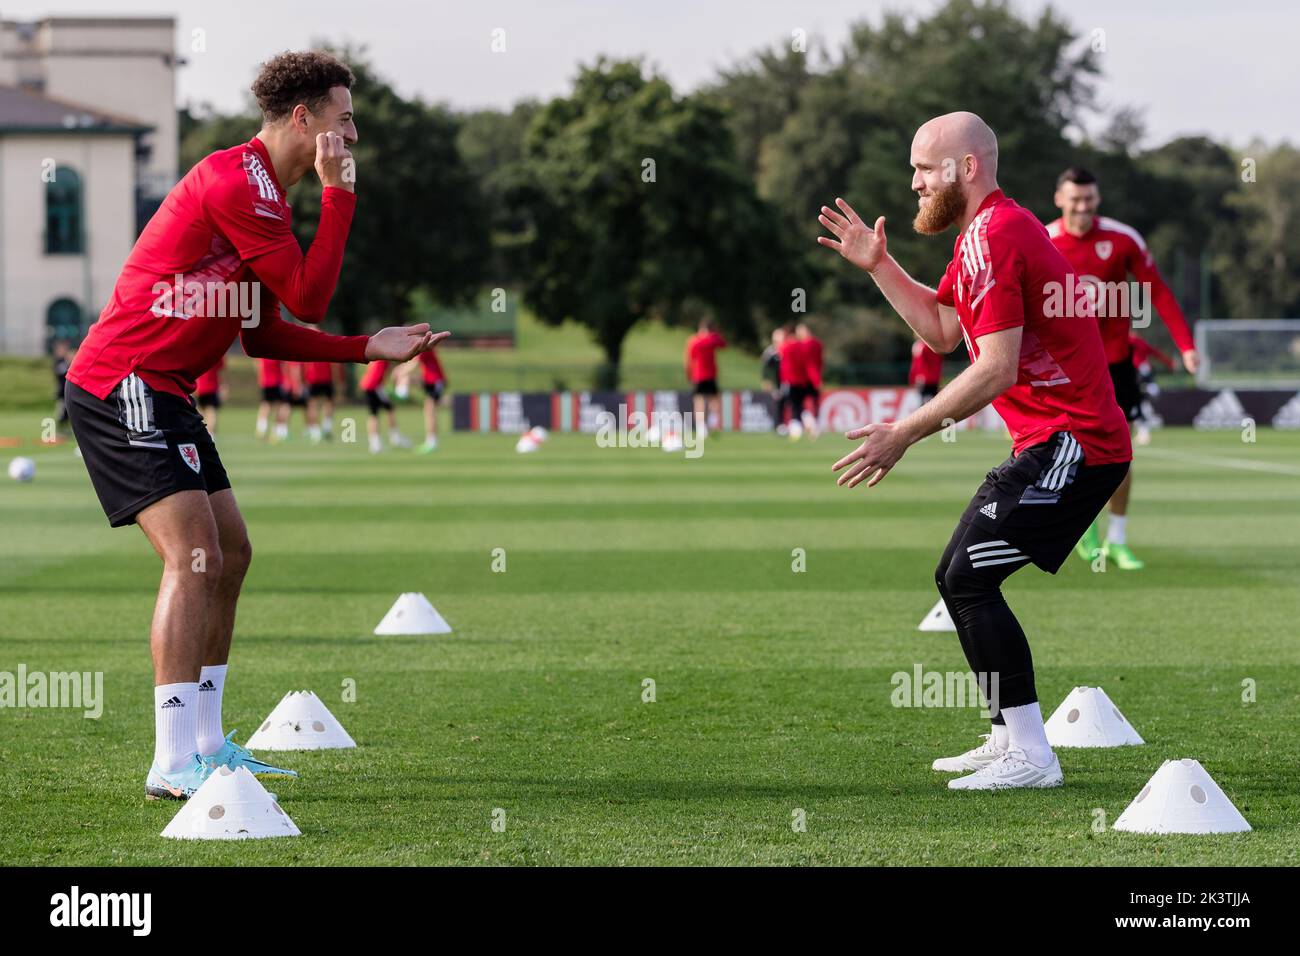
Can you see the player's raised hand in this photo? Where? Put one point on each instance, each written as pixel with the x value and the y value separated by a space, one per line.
pixel 862 245
pixel 1191 360
pixel 883 447
pixel 334 163
pixel 402 342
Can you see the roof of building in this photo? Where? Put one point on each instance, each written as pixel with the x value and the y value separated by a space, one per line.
pixel 27 111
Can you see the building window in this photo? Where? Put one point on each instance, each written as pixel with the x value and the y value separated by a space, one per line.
pixel 63 213
pixel 62 321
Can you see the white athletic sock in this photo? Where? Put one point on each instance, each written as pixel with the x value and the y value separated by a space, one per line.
pixel 313 432
pixel 1116 533
pixel 261 428
pixel 281 431
pixel 1025 731
pixel 1000 737
pixel 327 424
pixel 176 712
pixel 212 681
pixel 375 445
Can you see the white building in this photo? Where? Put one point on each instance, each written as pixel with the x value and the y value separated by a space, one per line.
pixel 88 148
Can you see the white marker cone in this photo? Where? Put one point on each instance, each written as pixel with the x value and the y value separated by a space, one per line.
pixel 938 619
pixel 1088 718
pixel 300 722
pixel 412 613
pixel 527 443
pixel 1181 798
pixel 231 805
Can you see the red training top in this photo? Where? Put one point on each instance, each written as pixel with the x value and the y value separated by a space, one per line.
pixel 701 358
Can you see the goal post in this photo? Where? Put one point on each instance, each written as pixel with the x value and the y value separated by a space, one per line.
pixel 1248 353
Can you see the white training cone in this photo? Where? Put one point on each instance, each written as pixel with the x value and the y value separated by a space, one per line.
pixel 300 722
pixel 671 441
pixel 1181 798
pixel 412 613
pixel 1088 718
pixel 527 443
pixel 938 619
pixel 231 805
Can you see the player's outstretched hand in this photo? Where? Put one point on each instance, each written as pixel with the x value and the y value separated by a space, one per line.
pixel 1191 360
pixel 334 163
pixel 402 342
pixel 862 245
pixel 883 447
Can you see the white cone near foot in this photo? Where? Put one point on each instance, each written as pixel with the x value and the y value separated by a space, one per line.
pixel 231 805
pixel 1181 798
pixel 938 619
pixel 300 722
pixel 1088 718
pixel 413 614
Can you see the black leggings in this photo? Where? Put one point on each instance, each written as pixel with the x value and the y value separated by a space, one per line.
pixel 970 576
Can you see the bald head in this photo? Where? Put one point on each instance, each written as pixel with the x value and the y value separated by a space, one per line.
pixel 955 158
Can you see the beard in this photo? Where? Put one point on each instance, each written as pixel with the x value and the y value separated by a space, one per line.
pixel 944 208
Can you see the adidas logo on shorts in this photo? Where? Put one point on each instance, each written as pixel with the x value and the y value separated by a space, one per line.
pixel 174 702
pixel 990 510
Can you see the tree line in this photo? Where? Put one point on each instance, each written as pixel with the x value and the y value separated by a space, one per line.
pixel 626 200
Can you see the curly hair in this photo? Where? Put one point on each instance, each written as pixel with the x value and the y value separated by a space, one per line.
pixel 292 78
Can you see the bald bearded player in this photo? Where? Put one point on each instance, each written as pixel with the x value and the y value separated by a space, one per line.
pixel 1048 379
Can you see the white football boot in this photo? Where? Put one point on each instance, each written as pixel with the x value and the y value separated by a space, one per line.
pixel 1012 770
pixel 971 760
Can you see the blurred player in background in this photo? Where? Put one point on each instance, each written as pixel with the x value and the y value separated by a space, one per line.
pixel 811 350
pixel 1104 252
pixel 796 384
pixel 926 370
pixel 435 385
pixel 62 359
pixel 702 372
pixel 295 396
pixel 319 377
pixel 207 394
pixel 770 366
pixel 272 410
pixel 377 400
pixel 1143 353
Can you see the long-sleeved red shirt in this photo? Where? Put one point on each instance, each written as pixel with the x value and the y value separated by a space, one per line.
pixel 216 261
pixel 1108 253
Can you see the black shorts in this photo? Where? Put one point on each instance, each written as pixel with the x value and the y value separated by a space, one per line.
pixel 377 398
pixel 296 399
pixel 321 390
pixel 272 394
pixel 208 399
pixel 1043 500
pixel 1128 395
pixel 141 446
pixel 797 395
pixel 928 390
pixel 435 389
pixel 707 386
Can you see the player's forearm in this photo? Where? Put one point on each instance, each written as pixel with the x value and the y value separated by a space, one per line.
pixel 1171 314
pixel 965 395
pixel 277 339
pixel 916 303
pixel 305 283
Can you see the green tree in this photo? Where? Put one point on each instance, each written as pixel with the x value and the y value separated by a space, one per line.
pixel 638 208
pixel 1259 266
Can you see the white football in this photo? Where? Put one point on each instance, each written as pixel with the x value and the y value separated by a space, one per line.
pixel 22 469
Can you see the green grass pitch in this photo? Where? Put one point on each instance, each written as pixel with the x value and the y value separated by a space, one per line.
pixel 772 687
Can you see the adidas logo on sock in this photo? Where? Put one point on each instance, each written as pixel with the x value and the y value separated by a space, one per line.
pixel 990 510
pixel 207 685
pixel 174 702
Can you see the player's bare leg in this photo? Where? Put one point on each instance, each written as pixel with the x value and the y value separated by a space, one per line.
pixel 430 425
pixel 184 534
pixel 1116 546
pixel 282 411
pixel 698 404
pixel 395 437
pixel 372 431
pixel 715 413
pixel 263 419
pixel 312 413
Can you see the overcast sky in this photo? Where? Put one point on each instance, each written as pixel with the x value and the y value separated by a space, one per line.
pixel 1223 67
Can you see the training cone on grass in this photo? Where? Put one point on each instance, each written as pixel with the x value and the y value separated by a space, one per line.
pixel 231 805
pixel 1088 718
pixel 1181 798
pixel 300 722
pixel 938 619
pixel 413 614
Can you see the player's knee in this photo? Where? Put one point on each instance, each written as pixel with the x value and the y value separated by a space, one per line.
pixel 968 585
pixel 238 557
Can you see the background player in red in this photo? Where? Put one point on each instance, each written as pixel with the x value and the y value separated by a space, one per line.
pixel 1045 376
pixel 811 348
pixel 926 370
pixel 372 386
pixel 1105 252
pixel 272 409
pixel 149 455
pixel 207 394
pixel 795 383
pixel 435 385
pixel 702 372
pixel 319 377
